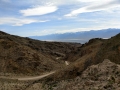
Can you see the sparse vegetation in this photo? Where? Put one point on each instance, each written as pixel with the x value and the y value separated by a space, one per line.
pixel 87 80
pixel 25 56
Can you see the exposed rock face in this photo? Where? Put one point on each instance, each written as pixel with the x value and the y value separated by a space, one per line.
pixel 104 76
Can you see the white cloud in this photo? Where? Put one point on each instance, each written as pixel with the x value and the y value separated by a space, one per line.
pixel 95 6
pixel 39 10
pixel 63 2
pixel 52 2
pixel 18 22
pixel 54 31
pixel 98 25
pixel 87 0
pixel 48 32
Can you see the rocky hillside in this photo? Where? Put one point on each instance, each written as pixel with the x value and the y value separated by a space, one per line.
pixel 28 56
pixel 91 53
pixel 103 76
pixel 20 55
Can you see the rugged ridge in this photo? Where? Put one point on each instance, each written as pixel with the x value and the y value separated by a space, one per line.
pixel 28 56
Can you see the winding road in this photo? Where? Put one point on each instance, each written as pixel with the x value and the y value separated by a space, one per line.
pixel 29 78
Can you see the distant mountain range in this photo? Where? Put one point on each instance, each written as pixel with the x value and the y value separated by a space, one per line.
pixel 80 37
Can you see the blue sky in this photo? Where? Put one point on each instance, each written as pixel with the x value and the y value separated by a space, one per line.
pixel 42 17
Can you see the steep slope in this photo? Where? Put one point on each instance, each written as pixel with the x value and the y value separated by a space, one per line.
pixel 110 49
pixel 28 56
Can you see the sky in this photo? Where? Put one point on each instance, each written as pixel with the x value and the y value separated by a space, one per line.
pixel 43 17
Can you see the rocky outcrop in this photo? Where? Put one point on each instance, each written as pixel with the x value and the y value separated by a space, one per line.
pixel 103 76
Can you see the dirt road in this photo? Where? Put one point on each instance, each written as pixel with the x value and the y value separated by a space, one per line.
pixel 29 78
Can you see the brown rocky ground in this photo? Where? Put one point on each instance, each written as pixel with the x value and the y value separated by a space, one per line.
pixel 25 56
pixel 103 76
pixel 91 53
pixel 20 55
